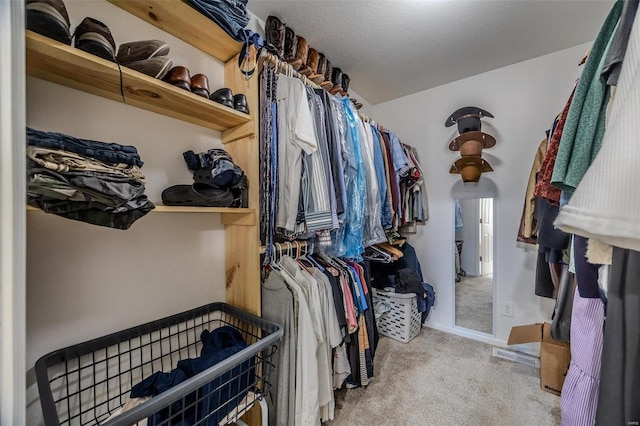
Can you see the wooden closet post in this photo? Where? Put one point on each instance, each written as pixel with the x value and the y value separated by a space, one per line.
pixel 243 240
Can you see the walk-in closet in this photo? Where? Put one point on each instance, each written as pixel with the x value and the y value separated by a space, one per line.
pixel 281 213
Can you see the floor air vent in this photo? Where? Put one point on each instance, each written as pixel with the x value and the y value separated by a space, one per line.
pixel 517 357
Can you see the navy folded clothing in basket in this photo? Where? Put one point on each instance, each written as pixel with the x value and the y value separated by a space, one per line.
pixel 225 352
pixel 217 345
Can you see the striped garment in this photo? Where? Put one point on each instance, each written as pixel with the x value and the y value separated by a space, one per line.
pixel 579 398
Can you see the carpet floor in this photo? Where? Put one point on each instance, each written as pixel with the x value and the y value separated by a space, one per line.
pixel 441 379
pixel 474 303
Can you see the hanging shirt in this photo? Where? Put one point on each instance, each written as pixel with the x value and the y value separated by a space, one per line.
pixel 584 127
pixel 307 405
pixel 295 134
pixel 278 306
pixel 373 231
pixel 315 184
pixel 385 211
pixel 356 191
pixel 311 290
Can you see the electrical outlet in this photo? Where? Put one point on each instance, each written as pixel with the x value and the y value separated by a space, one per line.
pixel 507 309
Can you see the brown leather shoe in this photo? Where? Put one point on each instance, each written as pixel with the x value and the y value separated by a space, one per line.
pixel 302 53
pixel 290 46
pixel 326 80
pixel 179 76
pixel 322 67
pixel 312 63
pixel 200 85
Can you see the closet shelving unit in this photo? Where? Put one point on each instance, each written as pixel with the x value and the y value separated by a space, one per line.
pixel 65 65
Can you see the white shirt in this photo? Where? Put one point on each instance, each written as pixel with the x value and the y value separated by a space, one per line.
pixel 295 134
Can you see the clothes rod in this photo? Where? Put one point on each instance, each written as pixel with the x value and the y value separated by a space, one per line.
pixel 280 66
pixel 289 245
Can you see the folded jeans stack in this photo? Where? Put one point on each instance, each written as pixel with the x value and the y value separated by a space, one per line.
pixel 90 181
pixel 230 15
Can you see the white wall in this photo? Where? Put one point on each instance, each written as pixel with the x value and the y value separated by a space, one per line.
pixel 470 234
pixel 85 281
pixel 524 98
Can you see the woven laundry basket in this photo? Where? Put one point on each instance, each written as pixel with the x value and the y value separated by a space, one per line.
pixel 403 321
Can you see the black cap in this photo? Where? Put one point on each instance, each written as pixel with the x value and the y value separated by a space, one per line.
pixel 467 118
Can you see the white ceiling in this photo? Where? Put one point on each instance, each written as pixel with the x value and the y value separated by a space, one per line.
pixel 394 48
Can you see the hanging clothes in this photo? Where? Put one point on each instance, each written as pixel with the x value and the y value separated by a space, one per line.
pixel 585 122
pixel 331 334
pixel 528 230
pixel 606 203
pixel 296 134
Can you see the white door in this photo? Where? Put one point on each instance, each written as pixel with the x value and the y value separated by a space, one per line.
pixel 486 236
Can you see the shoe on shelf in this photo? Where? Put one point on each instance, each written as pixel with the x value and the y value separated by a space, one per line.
pixel 302 53
pixel 94 37
pixel 49 18
pixel 326 83
pixel 290 47
pixel 197 195
pixel 200 85
pixel 318 78
pixel 345 84
pixel 240 192
pixel 274 33
pixel 180 77
pixel 223 96
pixel 155 67
pixel 240 103
pixel 140 50
pixel 336 79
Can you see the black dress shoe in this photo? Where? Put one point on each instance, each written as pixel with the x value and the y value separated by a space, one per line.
pixel 49 18
pixel 223 96
pixel 94 37
pixel 240 103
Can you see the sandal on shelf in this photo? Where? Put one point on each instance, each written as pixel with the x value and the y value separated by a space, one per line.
pixel 197 195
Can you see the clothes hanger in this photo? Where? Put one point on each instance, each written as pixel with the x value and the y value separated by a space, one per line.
pixel 275 263
pixel 391 249
pixel 299 259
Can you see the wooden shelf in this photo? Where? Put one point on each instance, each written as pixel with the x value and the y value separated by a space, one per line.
pixel 180 19
pixel 66 65
pixel 230 215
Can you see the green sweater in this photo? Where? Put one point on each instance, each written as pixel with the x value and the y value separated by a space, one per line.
pixel 585 125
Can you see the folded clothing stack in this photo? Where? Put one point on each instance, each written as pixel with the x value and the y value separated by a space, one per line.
pixel 217 182
pixel 231 15
pixel 90 181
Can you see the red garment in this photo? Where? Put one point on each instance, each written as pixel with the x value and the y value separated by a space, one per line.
pixel 544 188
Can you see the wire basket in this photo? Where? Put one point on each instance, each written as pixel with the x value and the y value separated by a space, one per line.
pixel 86 383
pixel 403 321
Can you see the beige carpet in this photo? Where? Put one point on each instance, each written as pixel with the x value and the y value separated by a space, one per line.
pixel 440 379
pixel 474 303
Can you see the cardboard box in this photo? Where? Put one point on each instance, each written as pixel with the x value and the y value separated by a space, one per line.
pixel 555 355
